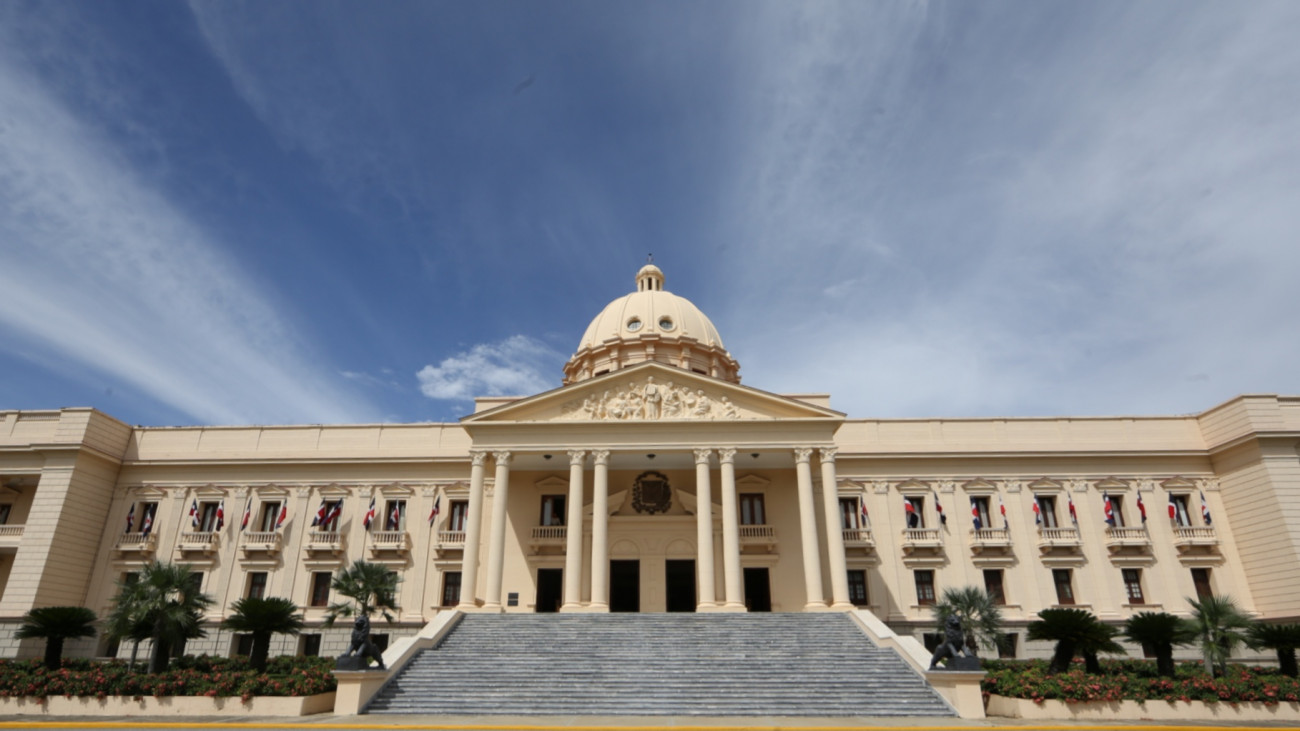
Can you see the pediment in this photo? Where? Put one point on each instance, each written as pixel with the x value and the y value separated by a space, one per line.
pixel 1111 483
pixel 650 392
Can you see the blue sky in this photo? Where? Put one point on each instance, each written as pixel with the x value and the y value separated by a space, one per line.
pixel 250 212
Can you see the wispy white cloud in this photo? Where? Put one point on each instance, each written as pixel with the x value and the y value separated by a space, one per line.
pixel 99 266
pixel 516 366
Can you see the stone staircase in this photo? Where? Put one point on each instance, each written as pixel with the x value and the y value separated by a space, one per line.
pixel 660 664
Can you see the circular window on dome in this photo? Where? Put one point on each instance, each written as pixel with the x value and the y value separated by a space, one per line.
pixel 665 323
pixel 634 324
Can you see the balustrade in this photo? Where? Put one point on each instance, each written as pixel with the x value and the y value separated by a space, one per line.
pixel 268 541
pixel 858 538
pixel 204 541
pixel 136 542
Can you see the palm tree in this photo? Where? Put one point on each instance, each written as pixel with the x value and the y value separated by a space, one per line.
pixel 54 625
pixel 1076 632
pixel 1160 631
pixel 1283 638
pixel 980 617
pixel 167 600
pixel 126 620
pixel 1220 627
pixel 263 618
pixel 371 587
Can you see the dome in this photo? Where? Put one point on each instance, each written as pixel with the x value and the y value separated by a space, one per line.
pixel 651 324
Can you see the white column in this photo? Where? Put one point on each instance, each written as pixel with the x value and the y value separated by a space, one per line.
pixel 600 531
pixel 573 534
pixel 704 529
pixel 735 598
pixel 473 532
pixel 812 562
pixel 834 532
pixel 497 539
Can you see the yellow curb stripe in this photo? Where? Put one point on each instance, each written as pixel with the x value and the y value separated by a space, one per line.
pixel 298 721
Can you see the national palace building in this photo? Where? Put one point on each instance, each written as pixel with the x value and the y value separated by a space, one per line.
pixel 652 480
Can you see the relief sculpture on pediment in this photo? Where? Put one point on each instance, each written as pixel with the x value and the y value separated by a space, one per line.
pixel 649 400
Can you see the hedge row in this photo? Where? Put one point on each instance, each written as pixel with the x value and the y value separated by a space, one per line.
pixel 1137 680
pixel 188 676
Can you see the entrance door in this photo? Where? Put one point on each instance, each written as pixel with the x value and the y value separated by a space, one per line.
pixel 624 586
pixel 679 578
pixel 550 589
pixel 758 590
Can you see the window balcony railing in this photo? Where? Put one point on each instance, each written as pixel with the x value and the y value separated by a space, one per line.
pixel 763 536
pixel 136 543
pixel 858 538
pixel 11 535
pixel 917 539
pixel 324 540
pixel 450 540
pixel 1051 538
pixel 1121 537
pixel 1187 537
pixel 990 539
pixel 547 535
pixel 199 541
pixel 260 541
pixel 392 541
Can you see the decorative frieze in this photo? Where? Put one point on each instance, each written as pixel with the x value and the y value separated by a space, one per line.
pixel 648 400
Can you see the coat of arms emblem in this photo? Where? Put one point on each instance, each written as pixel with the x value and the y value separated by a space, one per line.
pixel 651 494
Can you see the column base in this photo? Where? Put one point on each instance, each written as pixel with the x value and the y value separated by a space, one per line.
pixel 596 608
pixel 571 608
pixel 733 608
pixel 842 607
pixel 816 607
pixel 492 609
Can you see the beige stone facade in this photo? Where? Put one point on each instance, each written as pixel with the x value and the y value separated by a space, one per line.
pixel 654 481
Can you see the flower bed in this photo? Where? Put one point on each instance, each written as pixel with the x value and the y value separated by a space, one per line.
pixel 1136 680
pixel 189 676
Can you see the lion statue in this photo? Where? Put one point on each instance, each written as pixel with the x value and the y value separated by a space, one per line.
pixel 954 643
pixel 361 645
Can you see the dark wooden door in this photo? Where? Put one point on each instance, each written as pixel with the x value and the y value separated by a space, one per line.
pixel 624 586
pixel 679 576
pixel 550 590
pixel 758 590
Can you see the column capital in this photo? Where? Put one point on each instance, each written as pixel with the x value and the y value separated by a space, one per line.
pixel 802 454
pixel 727 455
pixel 702 456
pixel 577 457
pixel 502 458
pixel 478 457
pixel 600 456
pixel 828 453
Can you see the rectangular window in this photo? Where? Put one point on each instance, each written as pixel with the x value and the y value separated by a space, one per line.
pixel 1182 516
pixel 309 645
pixel 457 515
pixel 915 516
pixel 1117 509
pixel 5 510
pixel 395 515
pixel 207 517
pixel 1064 585
pixel 1201 580
pixel 850 514
pixel 924 587
pixel 1007 646
pixel 147 513
pixel 751 509
pixel 858 587
pixel 256 585
pixel 131 578
pixel 1133 585
pixel 270 514
pixel 993 586
pixel 980 508
pixel 1047 508
pixel 333 512
pixel 196 581
pixel 320 588
pixel 552 510
pixel 451 589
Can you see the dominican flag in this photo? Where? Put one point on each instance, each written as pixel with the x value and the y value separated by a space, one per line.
pixel 975 514
pixel 395 516
pixel 130 519
pixel 370 514
pixel 862 512
pixel 437 507
pixel 284 513
pixel 1205 511
pixel 1173 509
pixel 1142 508
pixel 194 514
pixel 221 513
pixel 1074 516
pixel 335 511
pixel 146 521
pixel 1003 510
pixel 248 513
pixel 1107 509
pixel 1038 514
pixel 909 512
pixel 938 508
pixel 321 514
